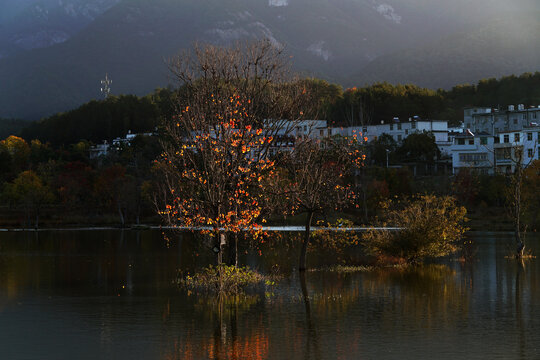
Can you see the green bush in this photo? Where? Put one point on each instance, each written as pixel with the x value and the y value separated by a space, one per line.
pixel 224 279
pixel 429 226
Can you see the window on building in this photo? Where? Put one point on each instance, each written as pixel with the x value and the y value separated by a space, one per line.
pixel 503 154
pixel 530 153
pixel 364 130
pixel 471 141
pixel 483 141
pixel 529 136
pixel 399 137
pixel 460 141
pixel 321 132
pixel 329 132
pixel 399 126
pixel 305 127
pixel 413 125
pixel 506 138
pixel 515 121
pixel 516 137
pixel 534 115
pixel 472 157
pixel 406 131
pixel 391 126
pixel 524 116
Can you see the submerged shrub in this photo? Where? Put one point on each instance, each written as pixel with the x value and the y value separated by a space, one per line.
pixel 224 279
pixel 430 226
pixel 336 240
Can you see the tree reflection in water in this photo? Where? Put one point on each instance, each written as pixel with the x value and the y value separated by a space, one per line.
pixel 428 294
pixel 226 342
pixel 312 340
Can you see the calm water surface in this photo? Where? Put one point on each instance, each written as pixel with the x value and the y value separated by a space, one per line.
pixel 111 295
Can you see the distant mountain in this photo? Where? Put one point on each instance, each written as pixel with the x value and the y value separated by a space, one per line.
pixel 61 55
pixel 36 24
pixel 501 47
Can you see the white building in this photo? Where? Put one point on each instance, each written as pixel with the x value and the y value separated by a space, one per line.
pixel 103 149
pixel 482 119
pixel 99 150
pixel 400 130
pixel 515 147
pixel 488 154
pixel 473 151
pixel 302 128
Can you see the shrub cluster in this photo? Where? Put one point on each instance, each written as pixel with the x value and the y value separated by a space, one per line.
pixel 224 279
pixel 428 226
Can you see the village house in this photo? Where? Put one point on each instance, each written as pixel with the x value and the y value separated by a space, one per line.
pixel 497 141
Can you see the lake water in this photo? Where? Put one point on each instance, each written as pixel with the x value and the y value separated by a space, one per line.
pixel 111 295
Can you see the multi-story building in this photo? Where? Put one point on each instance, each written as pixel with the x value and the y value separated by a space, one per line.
pixel 513 148
pixel 497 150
pixel 473 151
pixel 482 119
pixel 400 130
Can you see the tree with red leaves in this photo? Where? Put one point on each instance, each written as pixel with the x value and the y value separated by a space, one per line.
pixel 216 149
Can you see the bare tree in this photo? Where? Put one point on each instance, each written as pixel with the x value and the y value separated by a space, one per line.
pixel 514 194
pixel 516 204
pixel 317 172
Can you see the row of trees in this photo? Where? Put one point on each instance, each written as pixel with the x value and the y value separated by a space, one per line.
pixel 38 179
pixel 383 101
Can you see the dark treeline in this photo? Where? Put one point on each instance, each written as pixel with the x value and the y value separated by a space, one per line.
pixel 12 126
pixel 96 121
pixel 106 119
pixel 383 101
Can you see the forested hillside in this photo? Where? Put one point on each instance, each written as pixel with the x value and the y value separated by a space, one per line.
pixel 104 120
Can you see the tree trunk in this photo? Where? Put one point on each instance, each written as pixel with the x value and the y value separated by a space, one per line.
pixel 236 250
pixel 364 200
pixel 520 245
pixel 307 235
pixel 122 220
pixel 219 247
pixel 220 244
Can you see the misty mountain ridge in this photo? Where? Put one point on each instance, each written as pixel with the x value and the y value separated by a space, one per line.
pixel 43 23
pixel 64 49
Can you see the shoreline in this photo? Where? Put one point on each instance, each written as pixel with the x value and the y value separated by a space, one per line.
pixel 267 228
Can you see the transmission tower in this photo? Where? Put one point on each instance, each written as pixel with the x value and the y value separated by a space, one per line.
pixel 106 86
